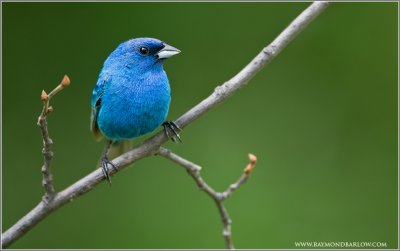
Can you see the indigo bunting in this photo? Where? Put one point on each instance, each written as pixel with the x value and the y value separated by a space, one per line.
pixel 132 94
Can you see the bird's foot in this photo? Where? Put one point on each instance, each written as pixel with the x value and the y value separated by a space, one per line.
pixel 171 127
pixel 104 162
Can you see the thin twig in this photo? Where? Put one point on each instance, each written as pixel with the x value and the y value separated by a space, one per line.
pixel 47 181
pixel 151 145
pixel 194 172
pixel 245 176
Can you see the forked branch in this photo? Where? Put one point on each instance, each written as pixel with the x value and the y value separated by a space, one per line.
pixel 152 145
pixel 47 181
pixel 218 197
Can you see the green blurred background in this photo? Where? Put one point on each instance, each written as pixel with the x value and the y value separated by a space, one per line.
pixel 322 119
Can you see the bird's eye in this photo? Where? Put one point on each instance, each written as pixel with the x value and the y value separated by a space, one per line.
pixel 144 50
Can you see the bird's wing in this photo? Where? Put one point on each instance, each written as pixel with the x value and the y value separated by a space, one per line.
pixel 96 104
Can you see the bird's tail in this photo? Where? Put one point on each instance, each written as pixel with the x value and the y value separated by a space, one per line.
pixel 119 148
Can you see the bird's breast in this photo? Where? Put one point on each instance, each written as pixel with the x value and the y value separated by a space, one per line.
pixel 134 106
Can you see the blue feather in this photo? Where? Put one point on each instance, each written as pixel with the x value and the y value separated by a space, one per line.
pixel 132 94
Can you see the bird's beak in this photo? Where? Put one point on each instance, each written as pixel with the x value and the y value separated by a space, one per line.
pixel 167 52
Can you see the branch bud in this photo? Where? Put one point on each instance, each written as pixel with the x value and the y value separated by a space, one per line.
pixel 252 158
pixel 65 82
pixel 251 165
pixel 44 96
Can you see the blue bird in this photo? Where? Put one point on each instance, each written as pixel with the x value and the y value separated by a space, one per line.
pixel 132 94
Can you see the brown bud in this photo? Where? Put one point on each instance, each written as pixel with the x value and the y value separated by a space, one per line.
pixel 44 96
pixel 50 109
pixel 252 158
pixel 65 82
pixel 251 165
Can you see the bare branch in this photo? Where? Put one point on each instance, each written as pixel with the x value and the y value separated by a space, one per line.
pixel 47 181
pixel 194 172
pixel 266 55
pixel 151 145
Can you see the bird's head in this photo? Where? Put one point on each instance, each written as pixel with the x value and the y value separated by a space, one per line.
pixel 141 54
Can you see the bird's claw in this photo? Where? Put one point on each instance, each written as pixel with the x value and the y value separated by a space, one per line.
pixel 170 126
pixel 104 162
